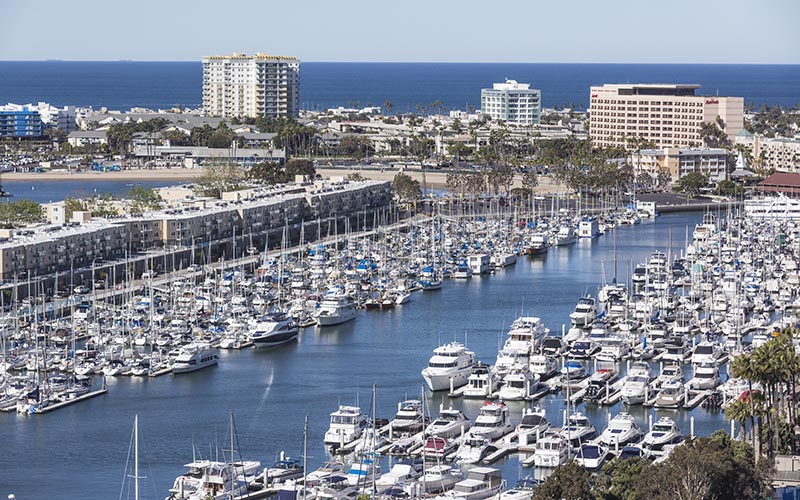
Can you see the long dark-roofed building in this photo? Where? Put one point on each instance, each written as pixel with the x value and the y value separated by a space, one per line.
pixel 781 182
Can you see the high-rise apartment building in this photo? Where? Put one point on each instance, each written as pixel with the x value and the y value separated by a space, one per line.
pixel 512 102
pixel 670 116
pixel 261 85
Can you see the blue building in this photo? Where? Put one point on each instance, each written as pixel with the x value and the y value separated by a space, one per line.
pixel 20 122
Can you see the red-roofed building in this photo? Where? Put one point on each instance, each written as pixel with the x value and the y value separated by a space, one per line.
pixel 781 182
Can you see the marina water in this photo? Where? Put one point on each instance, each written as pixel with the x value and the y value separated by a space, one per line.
pixel 80 451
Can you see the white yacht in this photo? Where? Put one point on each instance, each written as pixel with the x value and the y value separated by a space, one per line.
pixel 347 425
pixel 195 357
pixel 335 308
pixel 482 382
pixel 778 207
pixel 492 422
pixel 663 432
pixel 526 335
pixel 439 478
pixel 473 449
pixel 706 376
pixel 552 450
pixel 566 235
pixel 507 360
pixel 364 471
pixel 621 430
pixel 573 370
pixel 584 313
pixel 707 352
pixel 670 372
pixel 554 346
pixel 671 395
pixel 481 482
pixel 635 389
pixel 439 447
pixel 578 428
pixel 213 480
pixel 519 385
pixel 533 425
pixel 273 329
pixel 403 471
pixel 591 456
pixel 409 418
pixel 449 367
pixel 613 349
pixel 543 366
pixel 449 423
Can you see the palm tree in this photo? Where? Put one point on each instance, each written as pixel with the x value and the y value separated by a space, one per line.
pixel 742 367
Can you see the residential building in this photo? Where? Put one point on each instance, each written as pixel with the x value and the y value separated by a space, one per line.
pixel 774 153
pixel 20 121
pixel 679 162
pixel 668 115
pixel 252 217
pixel 239 85
pixel 80 138
pixel 512 102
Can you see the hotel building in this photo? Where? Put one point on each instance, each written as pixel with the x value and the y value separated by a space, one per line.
pixel 668 115
pixel 239 85
pixel 679 162
pixel 512 102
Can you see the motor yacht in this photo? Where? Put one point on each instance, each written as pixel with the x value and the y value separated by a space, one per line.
pixel 449 367
pixel 671 395
pixel 439 478
pixel 707 352
pixel 449 423
pixel 554 346
pixel 633 452
pixel 195 357
pixel 519 385
pixel 213 480
pixel 552 450
pixel 663 432
pixel 507 360
pixel 542 366
pixel 439 447
pixel 481 383
pixel 335 308
pixel 578 429
pixel 583 348
pixel 473 449
pixel 621 430
pixel 273 330
pixel 492 422
pixel 534 424
pixel 403 471
pixel 613 349
pixel 706 376
pixel 573 370
pixel 409 418
pixel 599 385
pixel 566 235
pixel 670 372
pixel 635 389
pixel 364 471
pixel 591 456
pixel 481 482
pixel 584 313
pixel 347 424
pixel 324 472
pixel 284 469
pixel 526 335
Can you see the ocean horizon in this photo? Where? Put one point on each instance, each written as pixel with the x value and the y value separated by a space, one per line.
pixel 121 85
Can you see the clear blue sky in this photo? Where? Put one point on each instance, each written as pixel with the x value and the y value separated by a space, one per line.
pixel 657 31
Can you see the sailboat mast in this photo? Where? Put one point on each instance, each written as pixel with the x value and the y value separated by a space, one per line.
pixel 136 456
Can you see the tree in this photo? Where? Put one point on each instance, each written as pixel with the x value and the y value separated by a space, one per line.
pixel 143 199
pixel 266 172
pixel 222 137
pixel 300 166
pixel 388 106
pixel 568 482
pixel 20 212
pixel 529 181
pixel 406 187
pixel 691 183
pixel 620 479
pixel 356 177
pixel 217 179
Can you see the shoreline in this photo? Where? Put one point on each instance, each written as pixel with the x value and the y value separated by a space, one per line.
pixel 176 174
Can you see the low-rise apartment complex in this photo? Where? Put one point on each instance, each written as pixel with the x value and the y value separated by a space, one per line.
pixel 249 218
pixel 669 116
pixel 781 154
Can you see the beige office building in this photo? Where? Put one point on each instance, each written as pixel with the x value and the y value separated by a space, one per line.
pixel 669 115
pixel 239 85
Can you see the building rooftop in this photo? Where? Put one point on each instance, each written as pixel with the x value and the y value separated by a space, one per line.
pixel 259 56
pixel 511 85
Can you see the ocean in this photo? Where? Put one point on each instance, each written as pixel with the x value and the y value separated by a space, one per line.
pixel 122 85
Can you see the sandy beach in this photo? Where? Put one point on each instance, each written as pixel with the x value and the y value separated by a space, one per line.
pixel 434 180
pixel 166 174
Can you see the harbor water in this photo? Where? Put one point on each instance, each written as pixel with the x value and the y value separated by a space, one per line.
pixel 81 451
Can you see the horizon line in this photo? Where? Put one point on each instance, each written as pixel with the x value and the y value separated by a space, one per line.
pixel 425 62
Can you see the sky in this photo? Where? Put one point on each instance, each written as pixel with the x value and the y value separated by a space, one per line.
pixel 603 31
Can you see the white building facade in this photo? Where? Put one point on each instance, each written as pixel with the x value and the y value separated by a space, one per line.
pixel 668 115
pixel 512 102
pixel 239 85
pixel 679 162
